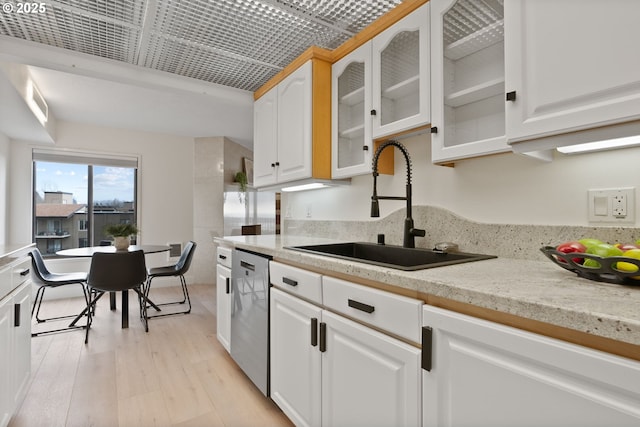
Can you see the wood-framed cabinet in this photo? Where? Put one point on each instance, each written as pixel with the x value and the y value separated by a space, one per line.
pixel 292 126
pixel 380 89
pixel 571 66
pixel 467 79
pixel 483 373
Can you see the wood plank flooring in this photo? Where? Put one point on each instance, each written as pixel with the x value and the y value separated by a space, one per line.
pixel 178 374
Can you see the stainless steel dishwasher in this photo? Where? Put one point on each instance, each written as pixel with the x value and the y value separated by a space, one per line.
pixel 250 316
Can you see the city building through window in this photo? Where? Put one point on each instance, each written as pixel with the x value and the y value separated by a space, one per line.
pixel 76 195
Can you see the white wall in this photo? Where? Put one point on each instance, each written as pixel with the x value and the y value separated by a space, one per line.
pixel 4 187
pixel 505 189
pixel 166 179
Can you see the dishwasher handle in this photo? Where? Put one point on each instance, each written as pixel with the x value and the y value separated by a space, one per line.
pixel 247 265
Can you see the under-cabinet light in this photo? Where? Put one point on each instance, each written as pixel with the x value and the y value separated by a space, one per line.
pixel 609 144
pixel 306 184
pixel 302 187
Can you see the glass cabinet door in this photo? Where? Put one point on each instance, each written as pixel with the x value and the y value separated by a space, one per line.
pixel 468 112
pixel 351 119
pixel 401 75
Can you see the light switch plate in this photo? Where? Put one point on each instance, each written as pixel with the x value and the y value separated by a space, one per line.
pixel 612 205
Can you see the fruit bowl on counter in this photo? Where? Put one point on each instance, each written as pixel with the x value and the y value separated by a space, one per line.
pixel 599 261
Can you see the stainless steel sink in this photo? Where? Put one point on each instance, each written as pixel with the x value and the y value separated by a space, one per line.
pixel 390 256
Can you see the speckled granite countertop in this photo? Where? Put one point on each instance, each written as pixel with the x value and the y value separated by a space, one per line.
pixel 530 289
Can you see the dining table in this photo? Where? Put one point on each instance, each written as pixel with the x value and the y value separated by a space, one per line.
pixel 88 251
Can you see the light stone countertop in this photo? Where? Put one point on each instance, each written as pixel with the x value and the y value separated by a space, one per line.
pixel 536 290
pixel 9 253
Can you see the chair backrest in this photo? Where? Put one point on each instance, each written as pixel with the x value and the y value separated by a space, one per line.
pixel 40 270
pixel 182 266
pixel 117 271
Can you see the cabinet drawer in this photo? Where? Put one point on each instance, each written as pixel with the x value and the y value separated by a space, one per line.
pixel 21 272
pixel 296 281
pixel 396 314
pixel 223 256
pixel 5 282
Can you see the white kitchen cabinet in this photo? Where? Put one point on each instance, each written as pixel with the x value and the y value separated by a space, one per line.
pixel 295 359
pixel 467 79
pixel 223 296
pixel 400 66
pixel 380 89
pixel 327 370
pixel 483 373
pixel 368 378
pixel 571 65
pixel 15 337
pixel 352 146
pixel 291 133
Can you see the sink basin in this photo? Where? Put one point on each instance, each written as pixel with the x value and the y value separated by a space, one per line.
pixel 390 256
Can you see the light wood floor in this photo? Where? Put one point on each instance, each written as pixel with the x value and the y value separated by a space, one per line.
pixel 176 375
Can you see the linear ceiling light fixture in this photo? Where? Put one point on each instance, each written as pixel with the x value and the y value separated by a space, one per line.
pixel 36 102
pixel 610 144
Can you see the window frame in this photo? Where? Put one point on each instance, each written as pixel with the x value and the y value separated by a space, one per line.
pixel 90 159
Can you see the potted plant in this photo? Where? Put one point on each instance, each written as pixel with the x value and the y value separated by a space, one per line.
pixel 241 178
pixel 121 234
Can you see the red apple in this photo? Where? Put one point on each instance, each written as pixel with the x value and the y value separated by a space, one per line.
pixel 570 247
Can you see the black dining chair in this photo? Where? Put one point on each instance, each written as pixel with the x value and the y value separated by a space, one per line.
pixel 45 279
pixel 116 271
pixel 178 269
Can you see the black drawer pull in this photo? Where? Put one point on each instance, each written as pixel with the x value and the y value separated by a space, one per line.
pixel 434 129
pixel 314 331
pixel 25 272
pixel 511 96
pixel 247 265
pixel 289 282
pixel 361 306
pixel 222 256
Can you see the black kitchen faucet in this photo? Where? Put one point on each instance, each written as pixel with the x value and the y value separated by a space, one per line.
pixel 409 231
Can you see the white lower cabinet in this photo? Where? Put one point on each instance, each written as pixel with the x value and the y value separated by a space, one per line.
pixel 15 338
pixel 223 297
pixel 327 370
pixel 485 374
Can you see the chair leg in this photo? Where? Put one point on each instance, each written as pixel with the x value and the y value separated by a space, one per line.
pixel 91 306
pixel 185 294
pixel 143 307
pixel 36 309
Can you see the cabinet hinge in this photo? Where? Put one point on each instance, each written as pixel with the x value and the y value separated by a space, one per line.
pixel 427 348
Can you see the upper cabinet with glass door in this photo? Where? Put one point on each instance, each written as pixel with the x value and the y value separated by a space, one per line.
pixel 400 64
pixel 350 121
pixel 467 79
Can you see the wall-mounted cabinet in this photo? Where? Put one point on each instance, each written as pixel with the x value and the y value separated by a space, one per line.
pixel 571 65
pixel 467 79
pixel 379 90
pixel 292 127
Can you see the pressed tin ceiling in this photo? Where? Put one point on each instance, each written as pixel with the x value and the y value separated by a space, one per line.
pixel 236 43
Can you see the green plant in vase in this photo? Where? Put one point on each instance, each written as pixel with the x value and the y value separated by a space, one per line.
pixel 121 234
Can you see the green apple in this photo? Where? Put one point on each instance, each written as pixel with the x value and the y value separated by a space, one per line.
pixel 603 250
pixel 590 242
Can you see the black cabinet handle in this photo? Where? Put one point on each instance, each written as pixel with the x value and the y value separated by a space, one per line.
pixel 323 337
pixel 434 129
pixel 222 256
pixel 289 282
pixel 16 315
pixel 427 348
pixel 374 112
pixel 361 306
pixel 227 283
pixel 277 163
pixel 314 331
pixel 365 148
pixel 247 265
pixel 25 272
pixel 511 96
pixel 273 165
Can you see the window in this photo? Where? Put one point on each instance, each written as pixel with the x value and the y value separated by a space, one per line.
pixel 77 194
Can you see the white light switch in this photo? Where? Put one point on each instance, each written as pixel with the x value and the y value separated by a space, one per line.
pixel 600 205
